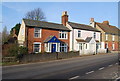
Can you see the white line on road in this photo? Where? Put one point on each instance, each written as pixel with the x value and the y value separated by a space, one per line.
pixel 89 72
pixel 117 79
pixel 101 68
pixel 110 65
pixel 73 77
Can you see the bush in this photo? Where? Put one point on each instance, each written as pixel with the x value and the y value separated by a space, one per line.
pixel 23 50
pixel 17 51
pixel 13 50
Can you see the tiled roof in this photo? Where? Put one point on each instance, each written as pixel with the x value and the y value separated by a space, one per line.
pixel 82 26
pixel 49 38
pixel 97 40
pixel 44 24
pixel 88 39
pixel 80 40
pixel 109 29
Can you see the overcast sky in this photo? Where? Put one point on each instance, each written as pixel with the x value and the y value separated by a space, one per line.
pixel 80 12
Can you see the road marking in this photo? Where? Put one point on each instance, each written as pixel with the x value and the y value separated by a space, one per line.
pixel 117 79
pixel 89 72
pixel 101 68
pixel 73 77
pixel 116 63
pixel 110 65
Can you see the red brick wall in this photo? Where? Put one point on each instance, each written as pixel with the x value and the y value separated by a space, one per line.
pixel 110 46
pixel 116 46
pixel 45 34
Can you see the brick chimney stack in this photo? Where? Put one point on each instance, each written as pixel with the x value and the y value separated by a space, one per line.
pixel 106 22
pixel 64 18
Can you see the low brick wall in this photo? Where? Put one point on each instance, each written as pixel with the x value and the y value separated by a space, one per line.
pixel 9 59
pixel 47 56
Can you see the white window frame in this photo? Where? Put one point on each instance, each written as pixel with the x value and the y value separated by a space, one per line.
pixel 106 36
pixel 80 46
pixel 113 46
pixel 79 33
pixel 94 35
pixel 86 46
pixel 65 47
pixel 39 32
pixel 39 47
pixel 64 33
pixel 113 37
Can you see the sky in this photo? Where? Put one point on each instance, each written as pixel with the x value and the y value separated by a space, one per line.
pixel 79 12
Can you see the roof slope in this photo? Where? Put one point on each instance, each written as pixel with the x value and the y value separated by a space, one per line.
pixel 82 26
pixel 43 24
pixel 109 28
pixel 52 39
pixel 88 39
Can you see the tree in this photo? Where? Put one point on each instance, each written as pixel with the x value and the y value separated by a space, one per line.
pixel 5 35
pixel 36 14
pixel 17 28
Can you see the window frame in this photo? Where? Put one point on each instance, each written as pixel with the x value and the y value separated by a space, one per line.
pixel 113 37
pixel 94 35
pixel 63 35
pixel 36 43
pixel 106 36
pixel 79 33
pixel 113 46
pixel 64 47
pixel 39 33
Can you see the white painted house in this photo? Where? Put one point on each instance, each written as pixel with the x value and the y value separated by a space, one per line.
pixel 83 38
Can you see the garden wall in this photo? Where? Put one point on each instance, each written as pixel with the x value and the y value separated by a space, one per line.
pixel 47 56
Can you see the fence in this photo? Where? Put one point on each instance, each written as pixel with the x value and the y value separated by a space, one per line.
pixel 47 56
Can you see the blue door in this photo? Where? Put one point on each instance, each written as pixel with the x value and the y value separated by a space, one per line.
pixel 53 47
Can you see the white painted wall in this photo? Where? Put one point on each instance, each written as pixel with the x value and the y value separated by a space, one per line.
pixel 71 36
pixel 74 45
pixel 21 35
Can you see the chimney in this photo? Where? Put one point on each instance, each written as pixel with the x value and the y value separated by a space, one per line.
pixel 106 22
pixel 64 18
pixel 91 20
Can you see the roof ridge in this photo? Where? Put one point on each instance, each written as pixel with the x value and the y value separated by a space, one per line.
pixel 43 21
pixel 79 23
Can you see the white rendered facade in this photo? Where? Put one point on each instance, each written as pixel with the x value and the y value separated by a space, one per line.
pixel 83 47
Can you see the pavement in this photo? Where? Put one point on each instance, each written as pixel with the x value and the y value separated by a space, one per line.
pixel 95 67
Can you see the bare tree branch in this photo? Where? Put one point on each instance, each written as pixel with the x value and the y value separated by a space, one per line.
pixel 36 14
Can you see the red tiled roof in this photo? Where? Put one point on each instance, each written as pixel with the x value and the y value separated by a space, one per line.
pixel 109 28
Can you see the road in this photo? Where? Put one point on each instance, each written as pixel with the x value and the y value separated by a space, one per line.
pixel 74 68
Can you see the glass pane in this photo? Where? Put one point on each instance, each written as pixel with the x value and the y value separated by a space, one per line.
pixel 36 47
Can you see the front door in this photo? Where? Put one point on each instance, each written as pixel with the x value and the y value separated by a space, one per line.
pixel 53 47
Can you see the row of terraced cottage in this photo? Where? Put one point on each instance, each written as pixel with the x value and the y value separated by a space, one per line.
pixel 41 36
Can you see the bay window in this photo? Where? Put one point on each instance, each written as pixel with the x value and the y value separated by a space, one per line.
pixel 63 47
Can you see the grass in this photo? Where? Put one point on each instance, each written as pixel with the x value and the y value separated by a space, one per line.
pixel 8 63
